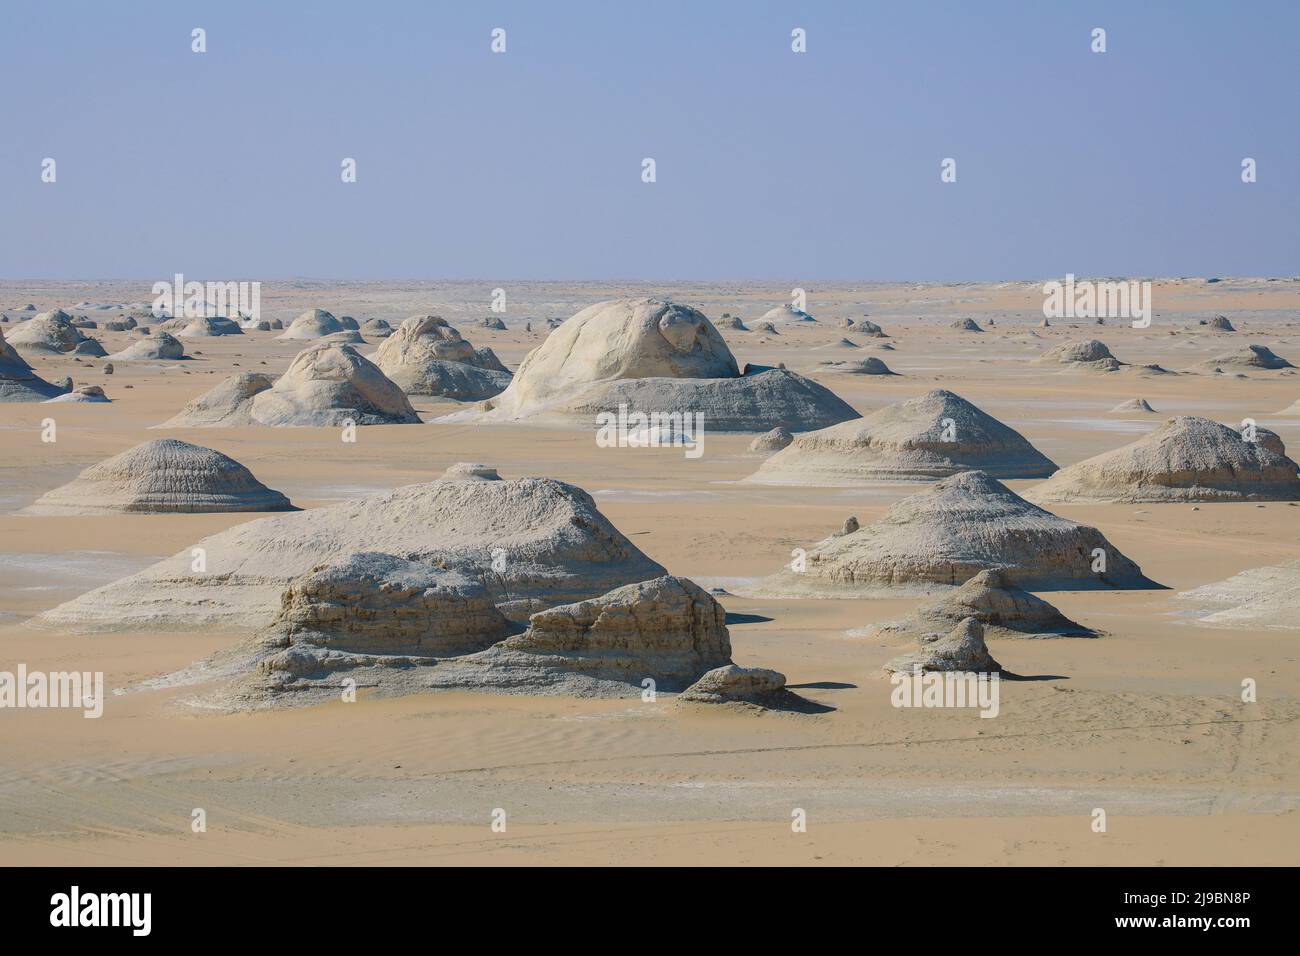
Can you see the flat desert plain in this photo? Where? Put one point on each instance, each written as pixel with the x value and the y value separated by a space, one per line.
pixel 1146 722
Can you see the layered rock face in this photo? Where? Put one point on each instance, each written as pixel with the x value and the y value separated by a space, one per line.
pixel 164 476
pixel 372 603
pixel 426 356
pixel 1185 459
pixel 533 542
pixel 943 536
pixel 655 357
pixel 935 436
pixel 667 629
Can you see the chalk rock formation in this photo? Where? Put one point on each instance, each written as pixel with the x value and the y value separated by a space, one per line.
pixel 48 332
pixel 774 440
pixel 866 366
pixel 426 356
pixel 159 347
pixel 376 329
pixel 1252 358
pixel 89 347
pixel 229 403
pixel 1003 609
pixel 1267 597
pixel 1134 405
pixel 1220 323
pixel 164 476
pixel 967 325
pixel 1185 459
pixel 961 649
pixel 733 684
pixel 1092 355
pixel 786 313
pixel 83 395
pixel 18 383
pixel 533 542
pixel 325 385
pixel 655 358
pixel 209 327
pixel 922 439
pixel 312 324
pixel 381 604
pixel 941 537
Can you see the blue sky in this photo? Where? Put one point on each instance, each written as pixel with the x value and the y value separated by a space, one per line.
pixel 771 164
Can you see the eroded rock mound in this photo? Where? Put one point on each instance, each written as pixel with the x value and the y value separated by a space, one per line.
pixel 1134 405
pixel 52 332
pixel 733 684
pixel 1092 355
pixel 376 329
pixel 18 383
pixel 1185 459
pixel 774 440
pixel 786 313
pixel 159 347
pixel 1252 358
pixel 1220 323
pixel 941 537
pixel 228 404
pixel 533 542
pixel 867 366
pixel 325 385
pixel 208 327
pixel 372 603
pixel 1002 608
pixel 961 649
pixel 82 395
pixel 164 476
pixel 426 356
pixel 967 325
pixel 654 357
pixel 922 439
pixel 312 324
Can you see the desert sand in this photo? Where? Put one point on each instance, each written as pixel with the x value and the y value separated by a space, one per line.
pixel 1145 720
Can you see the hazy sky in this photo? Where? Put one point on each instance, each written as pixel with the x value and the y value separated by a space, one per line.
pixel 770 164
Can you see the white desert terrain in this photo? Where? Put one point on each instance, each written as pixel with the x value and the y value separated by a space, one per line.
pixel 498 583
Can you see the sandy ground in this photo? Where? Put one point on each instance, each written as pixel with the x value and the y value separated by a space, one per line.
pixel 1145 723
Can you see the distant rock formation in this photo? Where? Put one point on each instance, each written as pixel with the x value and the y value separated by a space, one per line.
pixel 923 439
pixel 1185 459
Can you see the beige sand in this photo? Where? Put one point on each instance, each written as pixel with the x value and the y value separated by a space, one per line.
pixel 1145 722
